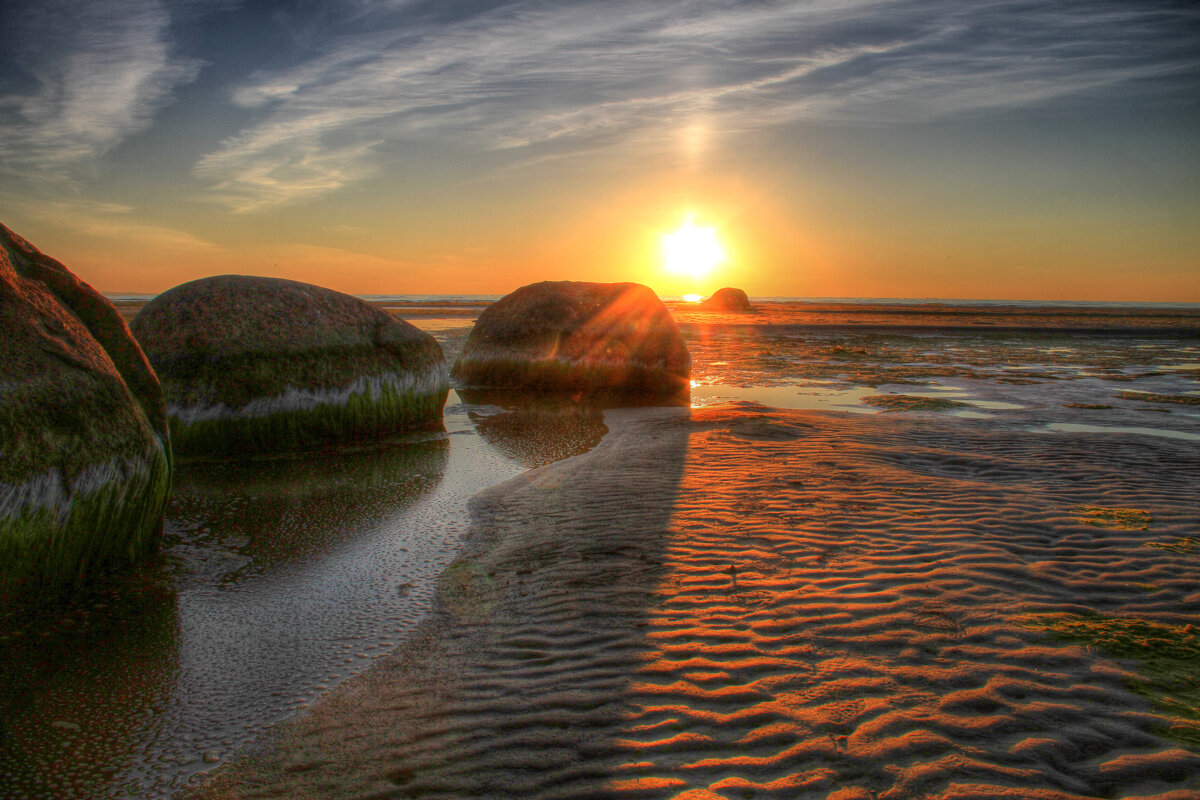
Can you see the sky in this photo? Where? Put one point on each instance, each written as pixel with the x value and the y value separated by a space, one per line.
pixel 836 148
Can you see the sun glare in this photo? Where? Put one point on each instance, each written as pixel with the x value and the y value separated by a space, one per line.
pixel 692 298
pixel 692 250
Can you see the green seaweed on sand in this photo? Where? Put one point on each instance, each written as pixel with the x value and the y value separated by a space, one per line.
pixel 1093 406
pixel 909 402
pixel 1125 519
pixel 467 592
pixel 1184 544
pixel 1150 397
pixel 1166 654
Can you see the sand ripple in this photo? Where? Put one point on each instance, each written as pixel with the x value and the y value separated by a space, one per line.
pixel 749 603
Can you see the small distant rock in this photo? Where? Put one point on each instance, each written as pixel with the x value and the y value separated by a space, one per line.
pixel 265 364
pixel 211 757
pixel 727 299
pixel 85 463
pixel 592 339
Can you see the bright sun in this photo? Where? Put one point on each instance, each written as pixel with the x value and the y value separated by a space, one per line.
pixel 692 250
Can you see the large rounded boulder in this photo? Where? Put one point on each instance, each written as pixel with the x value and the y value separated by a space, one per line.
pixel 253 364
pixel 728 299
pixel 85 461
pixel 596 339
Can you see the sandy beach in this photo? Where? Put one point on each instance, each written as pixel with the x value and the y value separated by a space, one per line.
pixel 746 602
pixel 889 551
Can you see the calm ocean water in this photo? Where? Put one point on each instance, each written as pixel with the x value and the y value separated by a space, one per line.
pixel 465 299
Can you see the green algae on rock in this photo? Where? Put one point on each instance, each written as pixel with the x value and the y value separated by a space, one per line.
pixel 85 459
pixel 594 339
pixel 252 364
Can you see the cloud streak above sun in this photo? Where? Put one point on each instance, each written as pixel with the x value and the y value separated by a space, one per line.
pixel 525 76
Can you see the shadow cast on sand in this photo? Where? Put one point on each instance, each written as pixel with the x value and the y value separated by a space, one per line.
pixel 747 602
pixel 518 682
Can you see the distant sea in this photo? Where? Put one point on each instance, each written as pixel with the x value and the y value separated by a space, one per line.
pixel 474 299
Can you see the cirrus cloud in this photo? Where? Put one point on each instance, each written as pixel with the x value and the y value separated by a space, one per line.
pixel 589 75
pixel 97 73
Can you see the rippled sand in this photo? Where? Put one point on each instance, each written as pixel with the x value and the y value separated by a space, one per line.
pixel 738 602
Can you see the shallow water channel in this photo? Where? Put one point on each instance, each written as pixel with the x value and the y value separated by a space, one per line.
pixel 278 580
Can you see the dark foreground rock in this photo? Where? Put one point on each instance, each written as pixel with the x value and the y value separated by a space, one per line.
pixel 254 364
pixel 85 461
pixel 727 299
pixel 601 339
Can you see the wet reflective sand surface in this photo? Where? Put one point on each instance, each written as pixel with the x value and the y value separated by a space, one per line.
pixel 769 604
pixel 277 580
pixel 741 602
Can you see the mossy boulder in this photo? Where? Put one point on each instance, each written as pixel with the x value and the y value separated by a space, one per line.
pixel 595 339
pixel 85 461
pixel 728 299
pixel 253 365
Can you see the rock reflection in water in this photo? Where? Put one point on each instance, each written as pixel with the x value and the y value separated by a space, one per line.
pixel 276 578
pixel 242 518
pixel 81 688
pixel 535 433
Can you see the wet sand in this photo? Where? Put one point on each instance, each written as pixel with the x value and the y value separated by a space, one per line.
pixel 738 602
pixel 1143 320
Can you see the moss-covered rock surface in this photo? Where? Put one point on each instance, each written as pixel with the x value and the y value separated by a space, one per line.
pixel 85 461
pixel 253 364
pixel 594 339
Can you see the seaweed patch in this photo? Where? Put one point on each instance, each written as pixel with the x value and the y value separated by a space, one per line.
pixel 1151 397
pixel 1167 655
pixel 1125 519
pixel 909 402
pixel 1184 544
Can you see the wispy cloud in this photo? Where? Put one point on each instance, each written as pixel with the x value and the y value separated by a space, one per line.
pixel 99 73
pixel 113 224
pixel 547 77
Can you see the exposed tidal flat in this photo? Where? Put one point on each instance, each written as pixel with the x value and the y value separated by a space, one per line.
pixel 887 553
